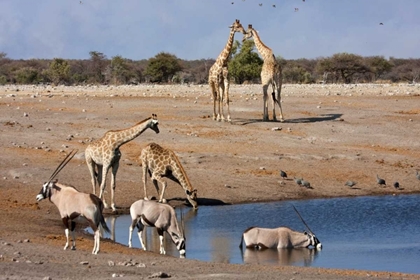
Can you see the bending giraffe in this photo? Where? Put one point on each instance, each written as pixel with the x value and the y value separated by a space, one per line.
pixel 218 76
pixel 160 162
pixel 104 153
pixel 271 74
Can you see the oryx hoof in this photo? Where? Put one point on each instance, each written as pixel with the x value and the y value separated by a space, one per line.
pixel 146 198
pixel 73 248
pixel 163 201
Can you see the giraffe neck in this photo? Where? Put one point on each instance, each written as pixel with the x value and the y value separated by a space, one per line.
pixel 181 175
pixel 120 137
pixel 224 55
pixel 264 51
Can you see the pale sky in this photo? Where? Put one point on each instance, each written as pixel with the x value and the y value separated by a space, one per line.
pixel 196 29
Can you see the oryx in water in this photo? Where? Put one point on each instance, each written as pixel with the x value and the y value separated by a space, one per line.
pixel 162 217
pixel 282 237
pixel 74 206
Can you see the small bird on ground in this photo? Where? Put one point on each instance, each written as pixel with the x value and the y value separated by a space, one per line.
pixel 298 180
pixel 283 174
pixel 380 181
pixel 350 184
pixel 396 185
pixel 306 184
pixel 417 175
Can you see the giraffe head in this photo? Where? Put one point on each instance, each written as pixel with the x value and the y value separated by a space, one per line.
pixel 192 198
pixel 237 27
pixel 248 34
pixel 154 123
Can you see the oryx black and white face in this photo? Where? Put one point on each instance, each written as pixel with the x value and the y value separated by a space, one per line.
pixel 313 240
pixel 180 244
pixel 45 191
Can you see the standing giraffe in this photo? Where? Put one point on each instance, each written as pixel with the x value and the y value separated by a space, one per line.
pixel 105 153
pixel 160 162
pixel 218 75
pixel 270 73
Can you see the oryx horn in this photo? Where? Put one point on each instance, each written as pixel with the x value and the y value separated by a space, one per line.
pixel 62 164
pixel 303 221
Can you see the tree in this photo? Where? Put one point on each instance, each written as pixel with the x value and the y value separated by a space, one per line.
pixel 59 71
pixel 299 71
pixel 26 76
pixel 163 67
pixel 119 70
pixel 342 65
pixel 97 67
pixel 245 65
pixel 378 66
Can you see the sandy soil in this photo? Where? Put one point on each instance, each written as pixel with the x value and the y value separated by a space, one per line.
pixel 332 134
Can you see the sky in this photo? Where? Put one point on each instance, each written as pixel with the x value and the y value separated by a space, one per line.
pixel 199 29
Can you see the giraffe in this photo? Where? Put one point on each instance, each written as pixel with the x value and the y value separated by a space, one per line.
pixel 160 162
pixel 218 76
pixel 104 153
pixel 271 74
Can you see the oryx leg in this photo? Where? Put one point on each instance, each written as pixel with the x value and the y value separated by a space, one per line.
pixel 96 241
pixel 66 222
pixel 162 249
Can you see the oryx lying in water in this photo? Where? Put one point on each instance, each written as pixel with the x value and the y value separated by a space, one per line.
pixel 163 217
pixel 282 237
pixel 74 206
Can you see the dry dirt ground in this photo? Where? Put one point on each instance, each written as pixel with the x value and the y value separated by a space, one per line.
pixel 332 134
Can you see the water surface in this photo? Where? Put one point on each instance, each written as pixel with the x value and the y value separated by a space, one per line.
pixel 372 233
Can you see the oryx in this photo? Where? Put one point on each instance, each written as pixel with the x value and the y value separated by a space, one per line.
pixel 74 206
pixel 282 237
pixel 162 216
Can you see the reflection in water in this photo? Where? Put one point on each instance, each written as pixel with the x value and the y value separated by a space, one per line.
pixel 295 256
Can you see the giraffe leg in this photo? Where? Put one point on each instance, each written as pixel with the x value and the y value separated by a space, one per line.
pixel 113 182
pixel 145 171
pixel 215 99
pixel 278 82
pixel 105 169
pixel 159 179
pixel 265 103
pixel 219 100
pixel 91 165
pixel 226 92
